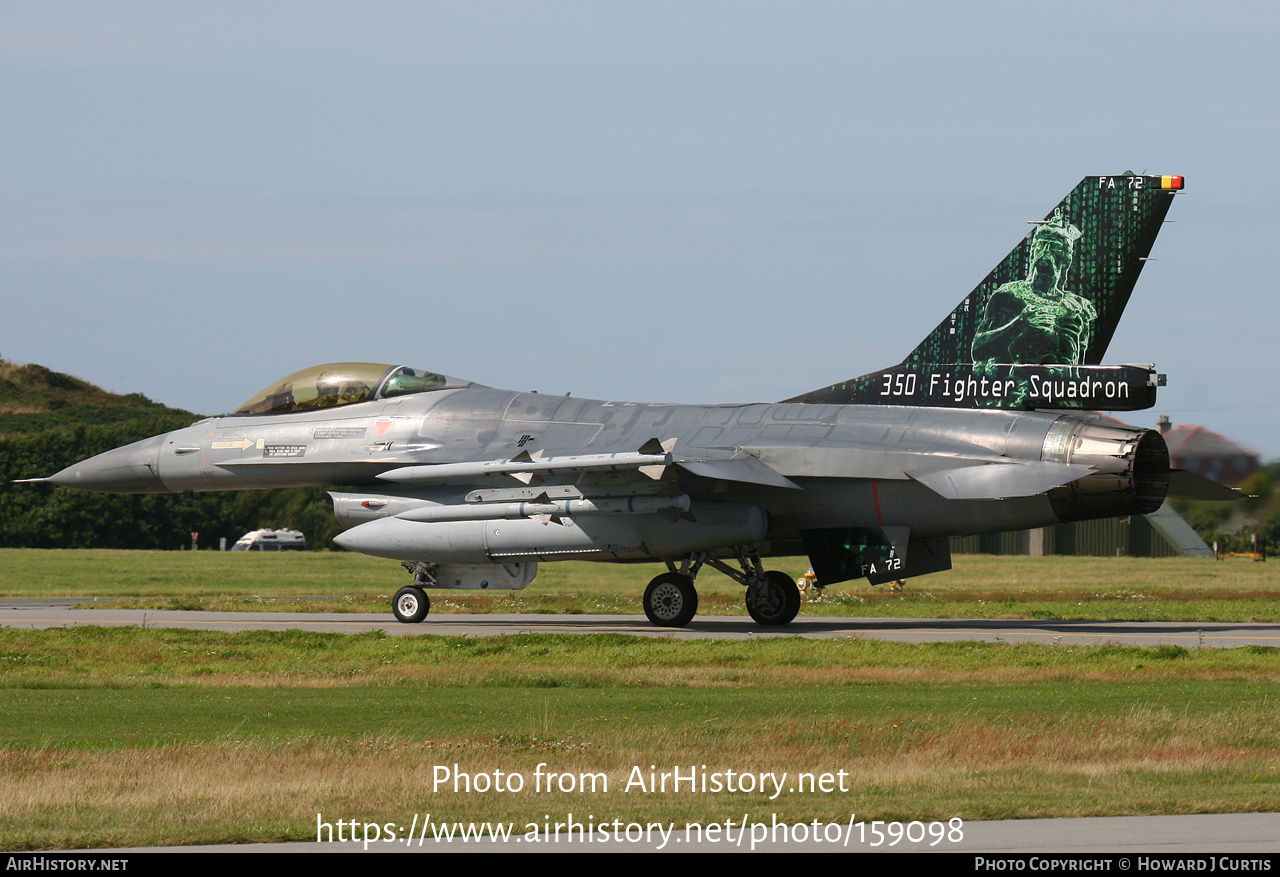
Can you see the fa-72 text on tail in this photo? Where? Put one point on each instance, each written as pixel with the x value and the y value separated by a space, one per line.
pixel 984 427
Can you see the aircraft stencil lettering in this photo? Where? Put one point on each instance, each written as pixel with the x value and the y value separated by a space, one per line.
pixel 979 430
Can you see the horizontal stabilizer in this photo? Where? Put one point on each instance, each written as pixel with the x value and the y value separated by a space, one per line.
pixel 999 481
pixel 1189 485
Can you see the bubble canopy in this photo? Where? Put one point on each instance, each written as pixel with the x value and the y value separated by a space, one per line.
pixel 344 383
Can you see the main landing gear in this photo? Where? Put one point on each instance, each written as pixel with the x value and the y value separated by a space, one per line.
pixel 775 602
pixel 671 600
pixel 772 598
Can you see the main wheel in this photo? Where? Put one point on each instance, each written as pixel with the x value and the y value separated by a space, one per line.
pixel 411 604
pixel 776 603
pixel 670 600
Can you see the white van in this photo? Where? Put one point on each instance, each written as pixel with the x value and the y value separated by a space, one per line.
pixel 271 540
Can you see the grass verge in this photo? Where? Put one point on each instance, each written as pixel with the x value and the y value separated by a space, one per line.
pixel 129 736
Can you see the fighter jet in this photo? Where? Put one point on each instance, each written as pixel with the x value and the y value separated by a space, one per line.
pixel 986 426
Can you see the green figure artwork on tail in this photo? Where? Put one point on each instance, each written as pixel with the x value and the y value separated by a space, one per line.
pixel 1036 320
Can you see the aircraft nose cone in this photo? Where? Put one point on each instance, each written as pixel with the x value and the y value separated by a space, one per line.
pixel 130 469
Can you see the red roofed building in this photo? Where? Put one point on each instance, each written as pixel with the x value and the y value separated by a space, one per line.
pixel 1208 453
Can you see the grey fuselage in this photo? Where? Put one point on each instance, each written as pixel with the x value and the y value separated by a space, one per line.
pixel 847 465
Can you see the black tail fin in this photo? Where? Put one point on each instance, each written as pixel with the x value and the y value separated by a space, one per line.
pixel 1041 321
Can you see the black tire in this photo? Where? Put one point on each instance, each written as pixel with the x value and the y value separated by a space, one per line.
pixel 411 604
pixel 670 600
pixel 777 603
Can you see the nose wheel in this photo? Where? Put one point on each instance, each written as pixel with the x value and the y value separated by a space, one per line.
pixel 670 600
pixel 411 604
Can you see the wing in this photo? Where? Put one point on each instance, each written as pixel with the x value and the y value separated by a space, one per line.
pixel 627 505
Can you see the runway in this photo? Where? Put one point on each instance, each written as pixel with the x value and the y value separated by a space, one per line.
pixel 39 614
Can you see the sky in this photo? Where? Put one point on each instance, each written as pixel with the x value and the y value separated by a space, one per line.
pixel 650 201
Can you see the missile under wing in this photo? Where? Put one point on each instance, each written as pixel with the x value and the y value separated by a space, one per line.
pixel 985 426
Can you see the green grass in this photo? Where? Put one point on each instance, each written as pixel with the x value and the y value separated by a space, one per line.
pixel 1065 588
pixel 131 736
pixel 88 657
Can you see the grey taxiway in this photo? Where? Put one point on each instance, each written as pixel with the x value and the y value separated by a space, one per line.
pixel 39 614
